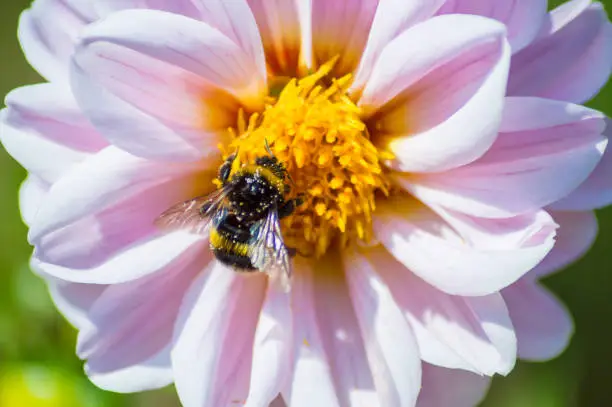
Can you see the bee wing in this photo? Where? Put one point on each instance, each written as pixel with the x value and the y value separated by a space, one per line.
pixel 269 253
pixel 189 215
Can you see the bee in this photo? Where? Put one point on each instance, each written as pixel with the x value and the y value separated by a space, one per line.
pixel 242 217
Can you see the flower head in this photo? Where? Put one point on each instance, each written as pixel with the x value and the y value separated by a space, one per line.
pixel 427 147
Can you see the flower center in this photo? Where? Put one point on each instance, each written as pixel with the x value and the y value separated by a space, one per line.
pixel 315 130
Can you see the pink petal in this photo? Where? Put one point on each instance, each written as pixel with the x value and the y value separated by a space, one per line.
pixel 147 257
pixel 596 191
pixel 479 256
pixel 232 18
pixel 390 345
pixel 133 321
pixel 81 233
pixel 43 129
pixel 543 325
pixel 280 25
pixel 471 333
pixel 571 61
pixel 118 176
pixel 167 93
pixel 31 195
pixel 440 100
pixel 91 240
pixel 391 19
pixel 341 28
pixel 214 334
pixel 74 300
pixel 563 15
pixel 520 173
pixel 522 17
pixel 48 33
pixel 271 350
pixel 575 236
pixel 450 387
pixel 153 373
pixel 330 365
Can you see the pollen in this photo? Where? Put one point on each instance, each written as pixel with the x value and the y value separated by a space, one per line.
pixel 314 128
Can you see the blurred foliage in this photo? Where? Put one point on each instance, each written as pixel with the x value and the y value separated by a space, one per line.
pixel 38 366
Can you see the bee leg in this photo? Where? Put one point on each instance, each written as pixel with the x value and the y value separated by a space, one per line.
pixel 226 168
pixel 291 251
pixel 289 206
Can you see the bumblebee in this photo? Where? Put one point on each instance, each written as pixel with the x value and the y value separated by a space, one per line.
pixel 242 217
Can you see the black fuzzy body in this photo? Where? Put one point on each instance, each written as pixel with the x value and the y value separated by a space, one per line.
pixel 254 190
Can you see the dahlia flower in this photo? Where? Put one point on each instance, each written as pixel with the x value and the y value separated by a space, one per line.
pixel 439 147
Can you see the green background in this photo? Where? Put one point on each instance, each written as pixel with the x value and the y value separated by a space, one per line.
pixel 38 367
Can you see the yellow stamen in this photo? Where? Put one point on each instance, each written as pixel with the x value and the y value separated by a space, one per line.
pixel 315 129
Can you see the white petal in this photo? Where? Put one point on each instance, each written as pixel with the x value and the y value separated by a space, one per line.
pixel 44 130
pixel 451 387
pixel 145 258
pixel 154 373
pixel 132 321
pixel 390 345
pixel 214 334
pixel 470 333
pixel 437 104
pixel 462 255
pixel 271 350
pixel 575 236
pixel 543 325
pixel 48 33
pixel 74 300
pixel 99 182
pixel 169 93
pixel 330 365
pixel 539 139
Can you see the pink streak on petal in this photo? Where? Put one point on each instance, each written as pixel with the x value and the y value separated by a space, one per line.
pixel 153 373
pixel 444 97
pixel 522 17
pixel 133 321
pixel 279 23
pixel 169 93
pixel 520 173
pixel 271 350
pixel 214 336
pixel 450 387
pixel 596 191
pixel 93 239
pixel 390 344
pixel 543 325
pixel 341 28
pixel 147 257
pixel 330 365
pixel 117 175
pixel 471 265
pixel 233 18
pixel 571 62
pixel 575 236
pixel 44 130
pixel 74 300
pixel 470 333
pixel 48 32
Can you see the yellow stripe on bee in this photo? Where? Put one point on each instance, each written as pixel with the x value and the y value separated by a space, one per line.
pixel 219 241
pixel 266 173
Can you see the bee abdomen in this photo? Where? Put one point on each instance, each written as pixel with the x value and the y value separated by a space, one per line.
pixel 233 260
pixel 230 251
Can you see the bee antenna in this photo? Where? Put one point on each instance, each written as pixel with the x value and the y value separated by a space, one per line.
pixel 290 179
pixel 268 148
